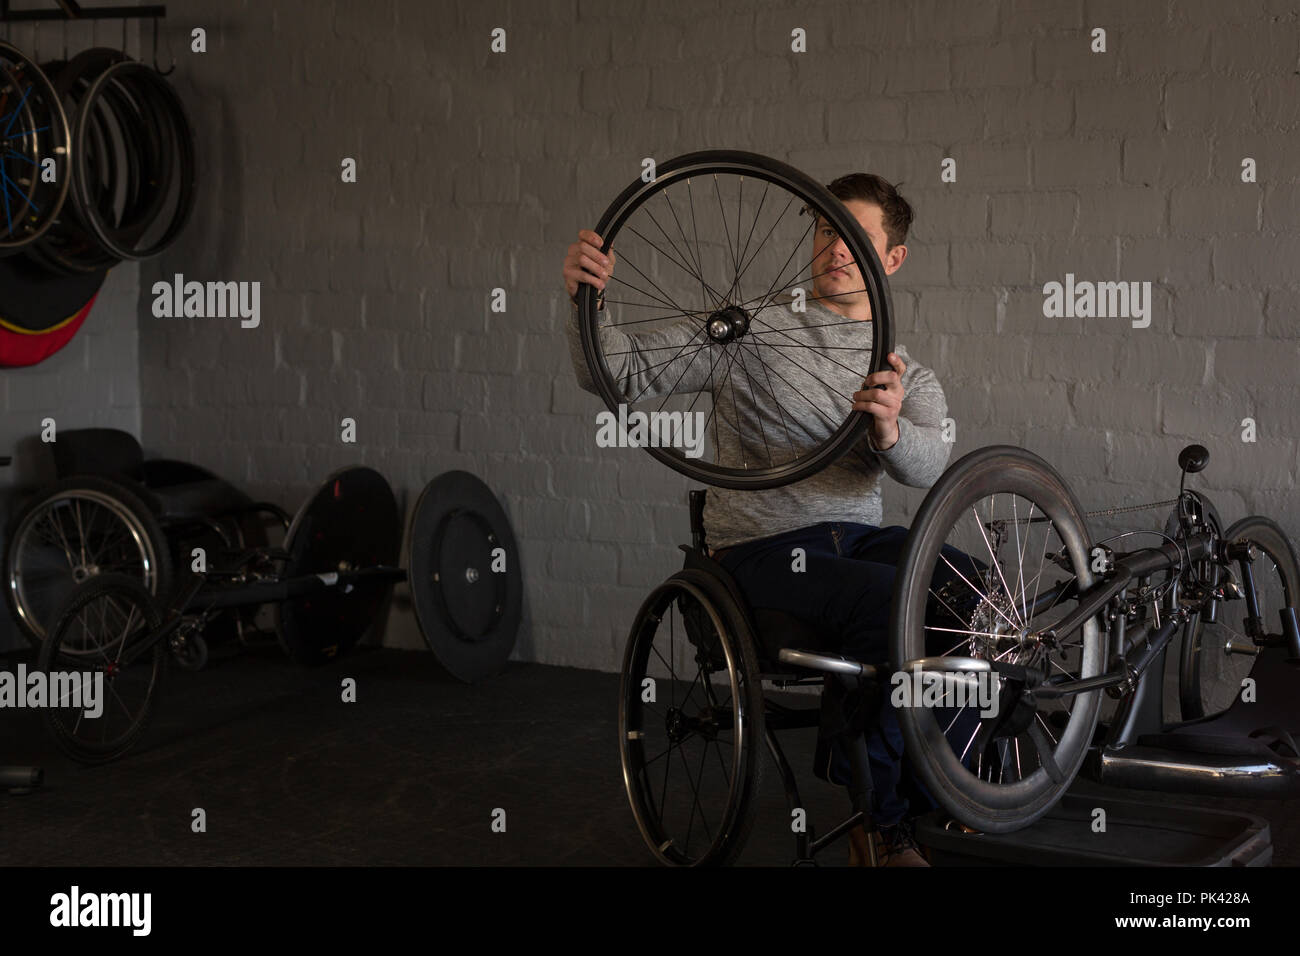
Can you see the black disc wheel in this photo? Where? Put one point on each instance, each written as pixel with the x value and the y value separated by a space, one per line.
pixel 996 559
pixel 736 325
pixel 465 576
pixel 34 151
pixel 351 523
pixel 691 723
pixel 103 663
pixel 71 531
pixel 1220 649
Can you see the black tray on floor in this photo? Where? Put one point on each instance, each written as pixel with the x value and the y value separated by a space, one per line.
pixel 1137 834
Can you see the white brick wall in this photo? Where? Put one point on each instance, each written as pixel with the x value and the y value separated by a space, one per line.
pixel 476 170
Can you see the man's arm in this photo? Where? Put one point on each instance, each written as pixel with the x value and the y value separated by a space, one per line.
pixel 920 455
pixel 643 364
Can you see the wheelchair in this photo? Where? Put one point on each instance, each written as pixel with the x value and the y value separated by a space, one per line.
pixel 692 700
pixel 112 511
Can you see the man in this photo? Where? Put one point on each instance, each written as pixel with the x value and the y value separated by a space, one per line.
pixel 833 515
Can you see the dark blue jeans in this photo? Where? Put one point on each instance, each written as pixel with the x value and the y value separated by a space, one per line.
pixel 846 587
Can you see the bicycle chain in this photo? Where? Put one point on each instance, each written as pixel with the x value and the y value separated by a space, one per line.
pixel 1107 512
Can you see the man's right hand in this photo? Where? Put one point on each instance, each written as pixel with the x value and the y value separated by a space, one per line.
pixel 586 263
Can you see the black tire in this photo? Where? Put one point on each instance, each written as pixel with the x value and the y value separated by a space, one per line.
pixel 984 609
pixel 706 635
pixel 745 461
pixel 1211 680
pixel 41 570
pixel 100 631
pixel 171 147
pixel 1201 516
pixel 37 130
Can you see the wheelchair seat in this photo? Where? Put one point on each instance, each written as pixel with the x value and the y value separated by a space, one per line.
pixel 173 490
pixel 774 630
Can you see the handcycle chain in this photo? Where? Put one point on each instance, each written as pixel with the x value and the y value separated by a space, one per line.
pixel 1106 512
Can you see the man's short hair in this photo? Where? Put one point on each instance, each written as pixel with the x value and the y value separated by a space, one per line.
pixel 869 187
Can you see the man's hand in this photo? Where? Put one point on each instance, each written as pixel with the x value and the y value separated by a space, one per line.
pixel 882 396
pixel 586 263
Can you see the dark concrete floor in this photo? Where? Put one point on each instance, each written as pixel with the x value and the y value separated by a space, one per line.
pixel 410 774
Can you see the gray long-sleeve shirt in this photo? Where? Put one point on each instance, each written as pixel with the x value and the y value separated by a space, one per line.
pixel 794 373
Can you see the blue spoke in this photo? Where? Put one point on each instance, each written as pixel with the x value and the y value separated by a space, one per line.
pixel 28 132
pixel 17 189
pixel 17 108
pixel 14 154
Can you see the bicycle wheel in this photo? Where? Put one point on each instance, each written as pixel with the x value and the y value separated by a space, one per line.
pixel 102 633
pixel 75 529
pixel 33 128
pixel 1211 680
pixel 691 723
pixel 996 559
pixel 711 354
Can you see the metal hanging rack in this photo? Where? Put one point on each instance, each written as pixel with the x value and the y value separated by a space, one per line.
pixel 72 10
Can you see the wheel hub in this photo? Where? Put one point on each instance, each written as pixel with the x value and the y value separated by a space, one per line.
pixel 681 725
pixel 727 325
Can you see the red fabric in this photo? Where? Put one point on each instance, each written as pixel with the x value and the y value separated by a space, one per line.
pixel 18 348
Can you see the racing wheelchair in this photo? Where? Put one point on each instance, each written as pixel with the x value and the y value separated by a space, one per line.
pixel 715 317
pixel 329 580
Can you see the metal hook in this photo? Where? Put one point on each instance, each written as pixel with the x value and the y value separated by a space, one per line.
pixel 171 69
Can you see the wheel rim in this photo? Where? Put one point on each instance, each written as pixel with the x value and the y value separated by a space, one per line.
pixel 708 257
pixel 68 539
pixel 33 128
pixel 684 753
pixel 999 771
pixel 1219 675
pixel 96 638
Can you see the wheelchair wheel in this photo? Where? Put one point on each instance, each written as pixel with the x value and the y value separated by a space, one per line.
pixel 1210 679
pixel 691 723
pixel 711 354
pixel 102 633
pixel 996 558
pixel 73 530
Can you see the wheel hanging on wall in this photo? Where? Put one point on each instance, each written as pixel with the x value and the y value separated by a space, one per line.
pixel 351 522
pixel 33 129
pixel 132 167
pixel 466 583
pixel 40 312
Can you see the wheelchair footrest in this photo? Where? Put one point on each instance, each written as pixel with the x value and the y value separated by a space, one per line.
pixel 1138 833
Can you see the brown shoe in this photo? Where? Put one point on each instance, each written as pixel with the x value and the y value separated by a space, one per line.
pixel 895 846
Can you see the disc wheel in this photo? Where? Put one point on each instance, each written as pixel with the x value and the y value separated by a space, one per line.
pixel 725 346
pixel 1211 677
pixel 73 530
pixel 102 633
pixel 691 723
pixel 465 576
pixel 350 523
pixel 1014 754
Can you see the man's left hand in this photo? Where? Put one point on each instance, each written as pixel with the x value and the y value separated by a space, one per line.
pixel 882 396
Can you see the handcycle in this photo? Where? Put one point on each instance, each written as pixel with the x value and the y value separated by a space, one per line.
pixel 1058 619
pixel 329 580
pixel 710 311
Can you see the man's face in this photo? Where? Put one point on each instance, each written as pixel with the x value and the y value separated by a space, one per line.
pixel 837 283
